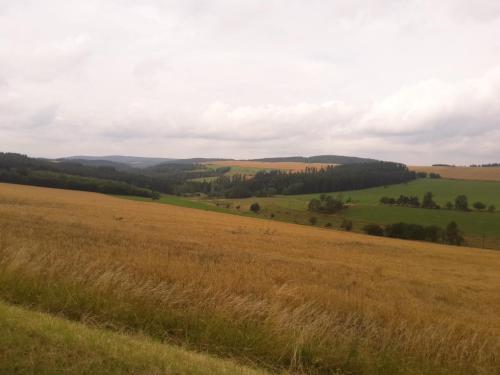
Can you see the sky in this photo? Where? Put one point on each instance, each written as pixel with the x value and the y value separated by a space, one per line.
pixel 415 81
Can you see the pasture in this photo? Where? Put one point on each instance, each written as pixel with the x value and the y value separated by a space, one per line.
pixel 482 229
pixel 274 295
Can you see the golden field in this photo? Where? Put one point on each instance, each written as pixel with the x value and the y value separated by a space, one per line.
pixel 286 166
pixel 278 296
pixel 462 173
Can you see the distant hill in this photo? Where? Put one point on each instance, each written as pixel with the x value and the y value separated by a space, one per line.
pixel 97 163
pixel 119 161
pixel 194 161
pixel 133 161
pixel 330 159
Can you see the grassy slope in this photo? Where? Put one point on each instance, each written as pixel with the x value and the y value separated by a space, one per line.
pixel 281 295
pixel 37 343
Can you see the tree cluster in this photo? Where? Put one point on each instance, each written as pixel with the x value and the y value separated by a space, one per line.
pixel 412 201
pixel 326 204
pixel 431 233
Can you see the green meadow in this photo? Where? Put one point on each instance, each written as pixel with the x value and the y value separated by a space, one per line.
pixel 481 229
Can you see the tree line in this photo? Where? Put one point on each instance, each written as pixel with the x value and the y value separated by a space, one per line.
pixel 461 203
pixel 432 233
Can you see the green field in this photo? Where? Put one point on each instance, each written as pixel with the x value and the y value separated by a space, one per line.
pixel 481 229
pixel 37 343
pixel 444 190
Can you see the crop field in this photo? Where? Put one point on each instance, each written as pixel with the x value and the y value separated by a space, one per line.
pixel 482 229
pixel 462 173
pixel 256 166
pixel 274 295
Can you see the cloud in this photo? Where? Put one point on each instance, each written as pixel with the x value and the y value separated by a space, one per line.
pixel 183 78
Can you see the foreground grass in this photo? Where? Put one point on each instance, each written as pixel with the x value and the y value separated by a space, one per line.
pixel 281 296
pixel 37 343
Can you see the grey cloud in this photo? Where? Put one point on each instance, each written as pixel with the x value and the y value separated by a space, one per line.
pixel 251 78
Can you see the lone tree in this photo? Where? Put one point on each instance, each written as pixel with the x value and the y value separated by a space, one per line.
pixel 461 203
pixel 453 235
pixel 255 207
pixel 479 206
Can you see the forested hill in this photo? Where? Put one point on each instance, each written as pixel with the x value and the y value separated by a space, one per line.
pixel 327 159
pixel 102 176
pixel 119 161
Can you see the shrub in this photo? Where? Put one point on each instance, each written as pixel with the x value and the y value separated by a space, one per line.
pixel 491 208
pixel 434 175
pixel 479 206
pixel 346 225
pixel 255 207
pixel 313 220
pixel 328 225
pixel 373 230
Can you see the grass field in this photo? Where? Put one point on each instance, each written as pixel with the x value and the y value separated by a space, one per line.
pixel 276 295
pixel 462 173
pixel 481 228
pixel 38 343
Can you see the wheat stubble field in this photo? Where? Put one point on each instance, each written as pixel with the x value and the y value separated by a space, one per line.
pixel 462 173
pixel 285 166
pixel 273 295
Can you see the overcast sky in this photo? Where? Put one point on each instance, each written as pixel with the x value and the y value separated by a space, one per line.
pixel 416 81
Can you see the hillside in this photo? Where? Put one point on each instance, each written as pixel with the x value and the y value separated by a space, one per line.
pixel 280 295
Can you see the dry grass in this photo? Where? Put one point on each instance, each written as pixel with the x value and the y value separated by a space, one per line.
pixel 462 173
pixel 281 295
pixel 287 166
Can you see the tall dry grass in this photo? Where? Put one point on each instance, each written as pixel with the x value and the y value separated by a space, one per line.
pixel 273 294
